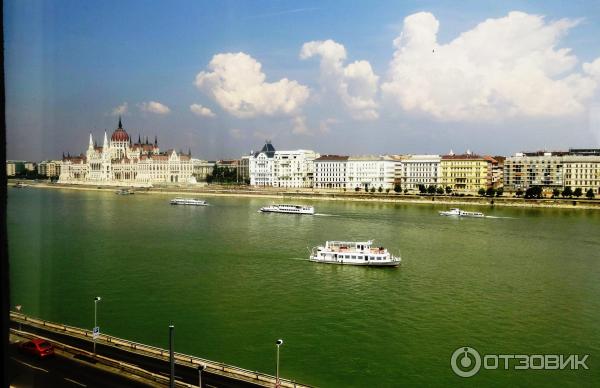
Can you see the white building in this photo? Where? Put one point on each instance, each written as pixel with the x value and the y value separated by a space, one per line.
pixel 331 172
pixel 120 162
pixel 292 169
pixel 367 172
pixel 420 170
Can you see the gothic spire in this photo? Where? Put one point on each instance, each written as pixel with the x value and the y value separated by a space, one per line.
pixel 155 140
pixel 146 139
pixel 120 125
pixel 91 141
pixel 139 139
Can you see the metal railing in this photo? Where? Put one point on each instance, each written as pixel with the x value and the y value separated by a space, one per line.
pixel 211 366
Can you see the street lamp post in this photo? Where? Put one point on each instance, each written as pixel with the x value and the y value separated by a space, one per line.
pixel 279 342
pixel 96 300
pixel 201 368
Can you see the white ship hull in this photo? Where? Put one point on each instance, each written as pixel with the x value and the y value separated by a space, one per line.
pixel 353 253
pixel 394 263
pixel 461 213
pixel 189 202
pixel 288 209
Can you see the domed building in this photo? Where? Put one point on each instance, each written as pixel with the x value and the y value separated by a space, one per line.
pixel 120 162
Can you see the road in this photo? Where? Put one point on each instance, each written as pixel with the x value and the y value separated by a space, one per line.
pixel 182 372
pixel 58 371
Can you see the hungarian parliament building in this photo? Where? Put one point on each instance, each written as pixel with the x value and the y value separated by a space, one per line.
pixel 120 162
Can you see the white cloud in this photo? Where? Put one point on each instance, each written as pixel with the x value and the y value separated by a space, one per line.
pixel 299 126
pixel 120 110
pixel 154 107
pixel 202 111
pixel 505 67
pixel 238 85
pixel 355 84
pixel 325 125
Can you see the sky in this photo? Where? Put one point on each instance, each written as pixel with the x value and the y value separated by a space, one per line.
pixel 352 77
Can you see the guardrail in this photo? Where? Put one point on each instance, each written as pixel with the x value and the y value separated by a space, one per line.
pixel 211 366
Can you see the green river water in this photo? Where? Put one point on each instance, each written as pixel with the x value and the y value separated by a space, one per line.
pixel 233 280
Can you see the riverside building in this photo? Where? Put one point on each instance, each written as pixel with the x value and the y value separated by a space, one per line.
pixel 330 172
pixel 576 168
pixel 49 168
pixel 420 170
pixel 120 162
pixel 291 169
pixel 466 173
pixel 367 172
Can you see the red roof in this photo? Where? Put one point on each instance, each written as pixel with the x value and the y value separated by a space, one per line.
pixel 119 135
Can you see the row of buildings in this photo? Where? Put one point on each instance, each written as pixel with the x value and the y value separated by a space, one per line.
pixel 122 162
pixel 304 168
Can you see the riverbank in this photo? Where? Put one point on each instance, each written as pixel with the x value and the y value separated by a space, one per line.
pixel 307 194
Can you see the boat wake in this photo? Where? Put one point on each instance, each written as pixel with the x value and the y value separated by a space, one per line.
pixel 326 215
pixel 512 218
pixel 297 258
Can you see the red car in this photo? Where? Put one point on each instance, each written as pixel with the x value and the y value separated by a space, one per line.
pixel 38 347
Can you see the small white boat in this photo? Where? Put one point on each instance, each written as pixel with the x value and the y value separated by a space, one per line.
pixel 188 201
pixel 124 192
pixel 20 185
pixel 461 213
pixel 353 253
pixel 289 209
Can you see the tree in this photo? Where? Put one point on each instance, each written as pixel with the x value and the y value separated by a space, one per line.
pixel 481 192
pixel 422 189
pixel 372 189
pixel 578 192
pixel 405 191
pixel 440 190
pixel 387 190
pixel 555 193
pixel 567 192
pixel 431 189
pixel 357 189
pixel 534 192
pixel 499 192
pixel 590 193
pixel 519 192
pixel 380 189
pixel 490 192
pixel 397 188
pixel 448 189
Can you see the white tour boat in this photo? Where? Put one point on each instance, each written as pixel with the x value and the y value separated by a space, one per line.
pixel 290 209
pixel 124 192
pixel 188 201
pixel 353 253
pixel 461 213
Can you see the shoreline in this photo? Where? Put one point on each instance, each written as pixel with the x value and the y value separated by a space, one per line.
pixel 583 204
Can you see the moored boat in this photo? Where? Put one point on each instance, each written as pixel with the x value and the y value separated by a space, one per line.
pixel 353 253
pixel 289 209
pixel 461 213
pixel 188 201
pixel 124 192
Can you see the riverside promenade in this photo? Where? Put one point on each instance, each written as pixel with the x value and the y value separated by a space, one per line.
pixel 507 199
pixel 140 363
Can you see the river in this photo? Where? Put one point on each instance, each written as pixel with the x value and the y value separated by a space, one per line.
pixel 232 281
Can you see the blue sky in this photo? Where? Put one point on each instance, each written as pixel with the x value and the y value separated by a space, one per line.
pixel 71 64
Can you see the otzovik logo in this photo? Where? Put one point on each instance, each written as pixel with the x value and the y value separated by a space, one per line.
pixel 466 361
pixel 469 363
